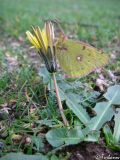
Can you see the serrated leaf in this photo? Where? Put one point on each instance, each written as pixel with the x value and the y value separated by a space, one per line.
pixel 116 134
pixel 21 156
pixel 63 136
pixel 77 109
pixel 104 113
pixel 113 94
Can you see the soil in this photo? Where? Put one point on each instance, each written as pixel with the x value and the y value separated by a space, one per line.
pixel 91 151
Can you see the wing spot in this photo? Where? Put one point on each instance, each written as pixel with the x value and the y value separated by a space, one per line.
pixel 83 47
pixel 79 58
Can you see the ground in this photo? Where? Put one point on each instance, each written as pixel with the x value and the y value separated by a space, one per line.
pixel 21 88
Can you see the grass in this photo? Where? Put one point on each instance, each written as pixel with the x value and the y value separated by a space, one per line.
pixel 22 90
pixel 88 19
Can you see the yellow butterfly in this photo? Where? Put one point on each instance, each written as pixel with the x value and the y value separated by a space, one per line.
pixel 76 58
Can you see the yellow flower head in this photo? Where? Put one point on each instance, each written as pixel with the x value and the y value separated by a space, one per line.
pixel 44 42
pixel 42 38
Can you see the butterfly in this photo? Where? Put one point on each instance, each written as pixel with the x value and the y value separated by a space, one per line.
pixel 76 58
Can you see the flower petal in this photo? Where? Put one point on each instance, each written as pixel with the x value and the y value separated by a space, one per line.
pixel 44 36
pixel 33 40
pixel 39 37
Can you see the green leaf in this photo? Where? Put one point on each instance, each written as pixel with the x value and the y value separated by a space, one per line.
pixel 63 136
pixel 56 137
pixel 110 139
pixel 93 136
pixel 21 156
pixel 77 109
pixel 38 143
pixel 116 134
pixel 45 75
pixel 47 122
pixel 62 94
pixel 113 94
pixel 104 113
pixel 54 157
pixel 108 134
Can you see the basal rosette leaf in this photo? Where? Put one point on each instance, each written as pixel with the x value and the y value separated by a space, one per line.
pixel 113 91
pixel 64 136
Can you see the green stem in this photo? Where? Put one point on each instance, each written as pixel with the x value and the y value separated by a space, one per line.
pixel 59 101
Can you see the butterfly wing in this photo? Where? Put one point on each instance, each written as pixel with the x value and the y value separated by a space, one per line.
pixel 78 59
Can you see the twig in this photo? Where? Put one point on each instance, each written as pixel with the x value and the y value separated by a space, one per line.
pixel 59 101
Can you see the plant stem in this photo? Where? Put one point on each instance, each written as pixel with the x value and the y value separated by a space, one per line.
pixel 59 101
